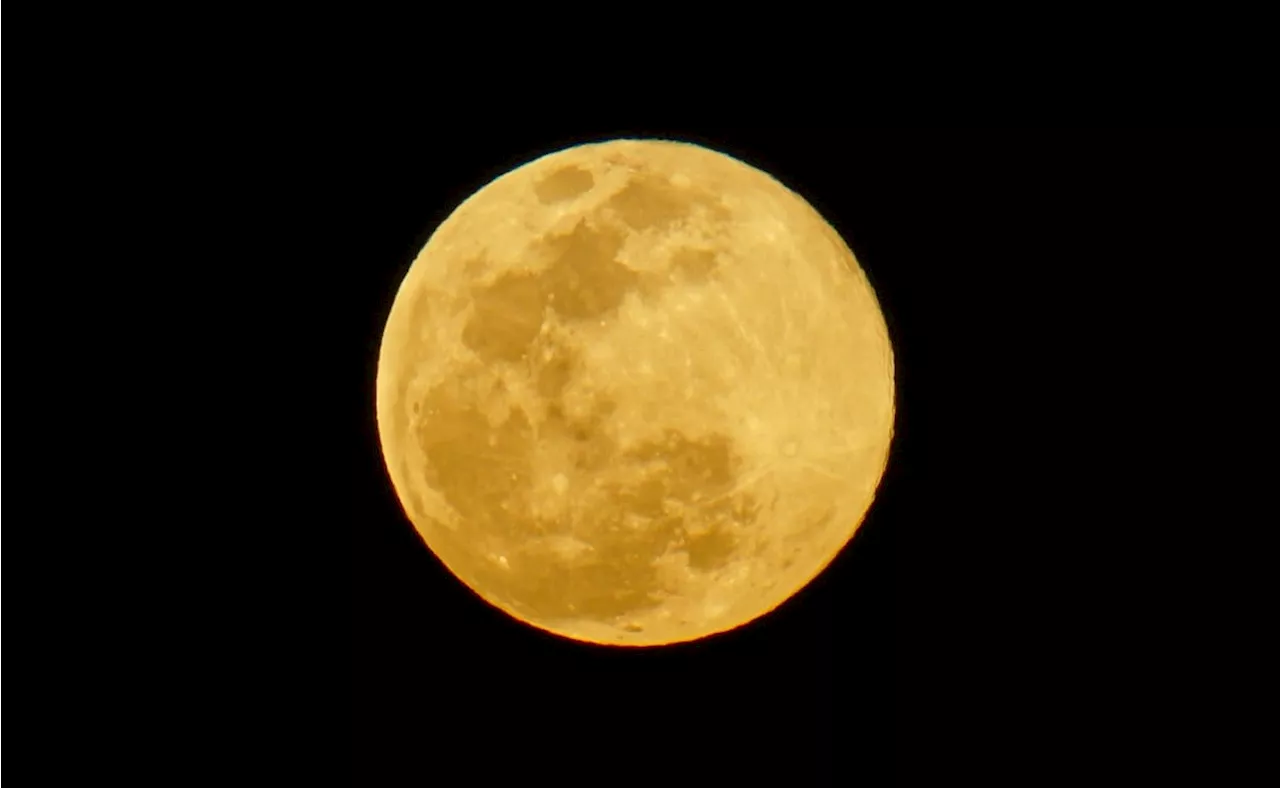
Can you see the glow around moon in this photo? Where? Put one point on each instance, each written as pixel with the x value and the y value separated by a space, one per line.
pixel 635 392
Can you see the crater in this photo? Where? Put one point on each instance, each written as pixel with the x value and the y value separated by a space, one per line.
pixel 563 184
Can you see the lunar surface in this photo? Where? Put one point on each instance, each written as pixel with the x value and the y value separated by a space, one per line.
pixel 635 392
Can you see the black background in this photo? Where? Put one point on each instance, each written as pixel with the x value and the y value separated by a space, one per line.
pixel 1034 281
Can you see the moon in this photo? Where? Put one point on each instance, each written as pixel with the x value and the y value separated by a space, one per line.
pixel 635 392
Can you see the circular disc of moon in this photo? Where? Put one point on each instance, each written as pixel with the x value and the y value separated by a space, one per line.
pixel 635 392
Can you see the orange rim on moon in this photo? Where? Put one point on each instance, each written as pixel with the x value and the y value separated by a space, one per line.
pixel 636 393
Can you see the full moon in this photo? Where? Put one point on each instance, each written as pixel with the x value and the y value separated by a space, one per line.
pixel 635 392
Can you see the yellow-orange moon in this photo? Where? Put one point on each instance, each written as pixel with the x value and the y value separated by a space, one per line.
pixel 635 392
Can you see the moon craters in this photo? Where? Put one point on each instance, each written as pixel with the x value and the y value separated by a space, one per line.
pixel 613 393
